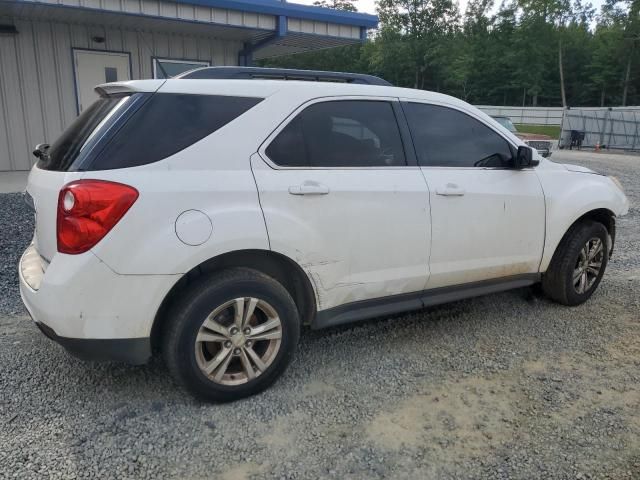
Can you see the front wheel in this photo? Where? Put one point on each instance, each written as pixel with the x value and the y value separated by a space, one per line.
pixel 578 264
pixel 232 335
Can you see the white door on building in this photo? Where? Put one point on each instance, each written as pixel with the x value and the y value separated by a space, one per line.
pixel 93 68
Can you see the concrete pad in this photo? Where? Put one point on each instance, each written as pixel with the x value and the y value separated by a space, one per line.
pixel 13 182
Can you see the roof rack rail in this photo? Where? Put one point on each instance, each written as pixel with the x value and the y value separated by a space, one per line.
pixel 250 73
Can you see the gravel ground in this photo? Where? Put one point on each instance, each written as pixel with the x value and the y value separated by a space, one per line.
pixel 16 232
pixel 503 386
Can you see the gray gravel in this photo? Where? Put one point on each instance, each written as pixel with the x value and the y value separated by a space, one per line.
pixel 16 232
pixel 504 386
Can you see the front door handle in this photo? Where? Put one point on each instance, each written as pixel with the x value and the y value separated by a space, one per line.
pixel 309 188
pixel 450 190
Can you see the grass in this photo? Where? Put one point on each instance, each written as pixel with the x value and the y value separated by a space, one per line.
pixel 551 130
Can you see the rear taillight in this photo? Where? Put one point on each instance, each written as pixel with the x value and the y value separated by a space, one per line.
pixel 87 210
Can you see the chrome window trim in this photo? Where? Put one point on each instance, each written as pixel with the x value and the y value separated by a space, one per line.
pixel 289 118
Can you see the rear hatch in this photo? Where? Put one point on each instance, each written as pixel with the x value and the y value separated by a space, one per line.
pixel 63 162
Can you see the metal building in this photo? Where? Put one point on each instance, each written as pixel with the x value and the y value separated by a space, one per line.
pixel 53 52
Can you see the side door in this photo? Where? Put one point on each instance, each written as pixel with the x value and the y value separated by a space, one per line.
pixel 341 198
pixel 488 219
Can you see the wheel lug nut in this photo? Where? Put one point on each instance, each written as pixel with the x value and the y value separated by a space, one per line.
pixel 233 331
pixel 247 331
pixel 227 344
pixel 248 343
pixel 236 351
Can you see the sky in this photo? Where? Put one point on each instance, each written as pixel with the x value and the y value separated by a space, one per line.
pixel 368 6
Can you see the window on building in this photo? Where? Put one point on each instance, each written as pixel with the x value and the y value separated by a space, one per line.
pixel 167 68
pixel 444 137
pixel 349 133
pixel 110 74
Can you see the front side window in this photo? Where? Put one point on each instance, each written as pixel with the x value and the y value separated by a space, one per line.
pixel 345 133
pixel 444 137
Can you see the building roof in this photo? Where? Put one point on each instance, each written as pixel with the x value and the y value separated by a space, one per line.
pixel 266 28
pixel 305 12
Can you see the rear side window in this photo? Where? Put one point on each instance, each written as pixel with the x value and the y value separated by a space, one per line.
pixel 345 133
pixel 66 149
pixel 444 137
pixel 166 124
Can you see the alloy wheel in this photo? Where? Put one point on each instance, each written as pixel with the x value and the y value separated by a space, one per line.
pixel 588 265
pixel 238 341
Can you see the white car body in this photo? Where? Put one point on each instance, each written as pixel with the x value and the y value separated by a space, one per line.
pixel 378 233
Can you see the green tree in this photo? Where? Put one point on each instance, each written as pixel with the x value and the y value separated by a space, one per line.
pixel 422 25
pixel 625 14
pixel 605 69
pixel 347 5
pixel 528 52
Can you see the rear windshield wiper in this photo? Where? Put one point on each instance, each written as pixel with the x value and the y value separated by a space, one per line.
pixel 41 151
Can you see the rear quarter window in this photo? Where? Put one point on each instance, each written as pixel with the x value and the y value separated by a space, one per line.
pixel 67 148
pixel 166 124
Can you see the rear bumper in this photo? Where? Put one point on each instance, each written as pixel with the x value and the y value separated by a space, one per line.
pixel 93 312
pixel 135 351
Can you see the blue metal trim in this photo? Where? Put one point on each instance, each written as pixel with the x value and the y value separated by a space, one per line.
pixel 245 57
pixel 248 59
pixel 283 25
pixel 295 10
pixel 270 7
pixel 141 15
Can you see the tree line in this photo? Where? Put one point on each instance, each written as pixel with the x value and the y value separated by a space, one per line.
pixel 525 52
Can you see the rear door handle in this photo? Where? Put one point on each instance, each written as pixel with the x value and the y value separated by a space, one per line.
pixel 450 190
pixel 309 188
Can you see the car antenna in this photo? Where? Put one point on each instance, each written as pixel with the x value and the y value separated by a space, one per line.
pixel 141 36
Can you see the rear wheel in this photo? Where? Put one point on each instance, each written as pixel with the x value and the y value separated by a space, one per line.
pixel 578 264
pixel 232 335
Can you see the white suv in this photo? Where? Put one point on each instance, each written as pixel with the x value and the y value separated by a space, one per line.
pixel 209 218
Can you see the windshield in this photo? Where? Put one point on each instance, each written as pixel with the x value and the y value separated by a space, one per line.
pixel 506 123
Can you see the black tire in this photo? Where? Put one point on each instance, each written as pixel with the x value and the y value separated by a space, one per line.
pixel 187 315
pixel 557 281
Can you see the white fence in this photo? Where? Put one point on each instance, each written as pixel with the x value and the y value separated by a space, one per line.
pixel 606 127
pixel 526 115
pixel 609 128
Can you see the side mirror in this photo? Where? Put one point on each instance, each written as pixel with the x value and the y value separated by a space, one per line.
pixel 524 158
